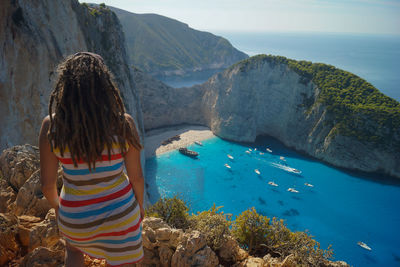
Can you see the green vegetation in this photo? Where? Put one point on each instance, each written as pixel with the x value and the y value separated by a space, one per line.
pixel 214 224
pixel 356 107
pixel 172 210
pixel 256 233
pixel 157 44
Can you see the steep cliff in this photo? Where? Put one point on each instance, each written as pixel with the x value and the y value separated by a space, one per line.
pixel 322 111
pixel 161 46
pixel 35 37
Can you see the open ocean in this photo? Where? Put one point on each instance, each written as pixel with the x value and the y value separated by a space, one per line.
pixel 343 207
pixel 376 58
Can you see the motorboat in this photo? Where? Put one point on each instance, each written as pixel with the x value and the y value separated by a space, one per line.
pixel 286 168
pixel 227 165
pixel 187 152
pixel 257 171
pixel 268 150
pixel 248 152
pixel 272 183
pixel 198 143
pixel 230 156
pixel 363 245
pixel 282 158
pixel 261 153
pixel 309 185
pixel 292 190
pixel 250 149
pixel 293 170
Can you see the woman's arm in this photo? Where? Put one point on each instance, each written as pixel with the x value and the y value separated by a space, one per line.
pixel 134 170
pixel 48 166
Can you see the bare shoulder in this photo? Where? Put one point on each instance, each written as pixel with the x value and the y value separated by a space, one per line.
pixel 46 123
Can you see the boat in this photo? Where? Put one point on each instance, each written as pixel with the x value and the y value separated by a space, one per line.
pixel 292 190
pixel 261 153
pixel 363 245
pixel 282 158
pixel 286 168
pixel 188 152
pixel 257 171
pixel 248 152
pixel 250 149
pixel 309 185
pixel 272 183
pixel 226 165
pixel 268 150
pixel 198 143
pixel 293 170
pixel 229 156
pixel 255 149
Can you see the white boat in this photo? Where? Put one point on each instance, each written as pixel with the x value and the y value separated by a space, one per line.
pixel 257 171
pixel 229 156
pixel 226 165
pixel 198 143
pixel 282 158
pixel 250 149
pixel 272 183
pixel 292 190
pixel 309 185
pixel 255 149
pixel 261 153
pixel 286 168
pixel 268 150
pixel 363 245
pixel 248 152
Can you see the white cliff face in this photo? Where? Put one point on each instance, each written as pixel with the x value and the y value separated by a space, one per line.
pixel 256 97
pixel 35 37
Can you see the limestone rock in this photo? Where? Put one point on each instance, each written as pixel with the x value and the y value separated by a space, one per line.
pixel 154 223
pixel 151 258
pixel 9 247
pixel 251 262
pixel 30 199
pixel 231 252
pixel 43 233
pixel 193 251
pixel 36 36
pixel 44 257
pixel 165 254
pixel 18 163
pixel 7 197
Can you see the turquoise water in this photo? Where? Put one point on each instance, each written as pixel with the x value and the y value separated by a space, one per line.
pixel 341 209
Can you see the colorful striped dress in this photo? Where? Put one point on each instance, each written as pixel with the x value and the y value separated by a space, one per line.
pixel 98 212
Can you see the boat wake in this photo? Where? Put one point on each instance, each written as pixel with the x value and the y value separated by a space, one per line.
pixel 286 168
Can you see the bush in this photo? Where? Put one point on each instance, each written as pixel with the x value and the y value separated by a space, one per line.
pixel 282 242
pixel 251 229
pixel 102 5
pixel 172 210
pixel 213 224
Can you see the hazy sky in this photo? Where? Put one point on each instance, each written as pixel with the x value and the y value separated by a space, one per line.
pixel 350 16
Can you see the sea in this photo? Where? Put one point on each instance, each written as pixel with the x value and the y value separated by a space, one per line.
pixel 335 206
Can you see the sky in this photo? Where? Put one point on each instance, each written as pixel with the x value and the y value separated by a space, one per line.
pixel 330 16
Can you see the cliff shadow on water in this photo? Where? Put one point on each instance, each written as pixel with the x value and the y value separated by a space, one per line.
pixel 280 149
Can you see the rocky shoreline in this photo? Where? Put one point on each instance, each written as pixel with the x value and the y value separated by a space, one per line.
pixel 29 234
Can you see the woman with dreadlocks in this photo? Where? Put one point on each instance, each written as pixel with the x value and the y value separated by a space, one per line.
pixel 100 208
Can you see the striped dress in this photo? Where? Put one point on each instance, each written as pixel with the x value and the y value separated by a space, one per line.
pixel 98 212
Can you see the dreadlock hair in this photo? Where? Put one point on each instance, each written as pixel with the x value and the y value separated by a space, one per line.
pixel 86 111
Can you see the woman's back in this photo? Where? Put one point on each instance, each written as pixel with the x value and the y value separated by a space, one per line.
pixel 98 211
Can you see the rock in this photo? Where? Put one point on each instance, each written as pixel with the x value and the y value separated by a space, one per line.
pixel 44 233
pixel 9 247
pixel 30 199
pixel 165 254
pixel 270 261
pixel 250 262
pixel 231 252
pixel 44 257
pixel 170 236
pixel 151 258
pixel 18 163
pixel 89 262
pixel 36 36
pixel 7 197
pixel 154 223
pixel 193 251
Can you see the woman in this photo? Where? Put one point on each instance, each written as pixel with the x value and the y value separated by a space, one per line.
pixel 90 134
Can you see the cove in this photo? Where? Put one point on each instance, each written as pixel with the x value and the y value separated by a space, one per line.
pixel 341 208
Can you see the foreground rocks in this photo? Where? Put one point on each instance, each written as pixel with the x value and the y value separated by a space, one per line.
pixel 29 233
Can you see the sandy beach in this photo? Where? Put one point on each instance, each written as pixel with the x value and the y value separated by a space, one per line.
pixel 188 134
